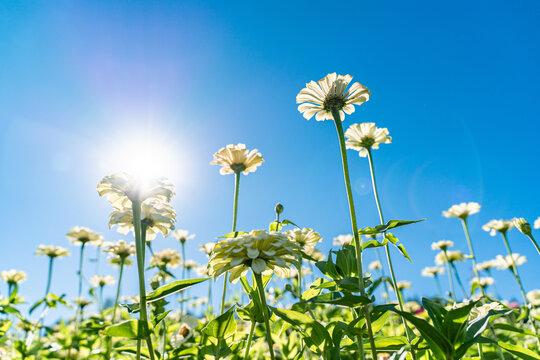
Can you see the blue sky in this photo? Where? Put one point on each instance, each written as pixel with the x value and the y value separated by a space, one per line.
pixel 87 87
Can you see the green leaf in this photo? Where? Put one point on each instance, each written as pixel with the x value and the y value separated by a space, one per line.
pixel 274 226
pixel 233 234
pixel 223 326
pixel 403 252
pixel 389 225
pixel 340 299
pixel 512 328
pixel 128 329
pixel 160 317
pixel 4 326
pixel 373 244
pixel 435 311
pixel 519 351
pixel 133 351
pixel 172 288
pixel 477 326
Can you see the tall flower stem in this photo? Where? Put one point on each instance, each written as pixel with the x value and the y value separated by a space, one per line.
pixel 452 291
pixel 387 249
pixel 49 276
pixel 140 246
pixel 266 316
pixel 183 277
pixel 250 338
pixel 465 294
pixel 300 260
pixel 471 249
pixel 534 243
pixel 438 285
pixel 357 244
pixel 121 273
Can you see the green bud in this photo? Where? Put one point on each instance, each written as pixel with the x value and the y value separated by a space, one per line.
pixel 523 226
pixel 279 208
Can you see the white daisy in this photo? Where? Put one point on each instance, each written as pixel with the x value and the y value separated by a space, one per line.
pixel 361 137
pixel 462 210
pixel 501 226
pixel 236 159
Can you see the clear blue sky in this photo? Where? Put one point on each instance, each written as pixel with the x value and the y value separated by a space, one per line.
pixel 82 84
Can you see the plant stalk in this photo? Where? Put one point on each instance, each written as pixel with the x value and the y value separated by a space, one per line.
pixel 262 296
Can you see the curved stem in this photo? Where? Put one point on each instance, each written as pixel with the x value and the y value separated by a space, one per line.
pixel 452 291
pixel 465 295
pixel 357 244
pixel 471 249
pixel 534 243
pixel 381 218
pixel 262 296
pixel 250 338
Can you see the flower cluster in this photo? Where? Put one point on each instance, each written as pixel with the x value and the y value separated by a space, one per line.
pixel 182 235
pixel 343 240
pixel 236 158
pixel 483 281
pixel 259 250
pixel 462 210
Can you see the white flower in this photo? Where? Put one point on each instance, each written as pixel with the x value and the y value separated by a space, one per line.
pixel 412 306
pixel 52 251
pixel 181 336
pixel 343 240
pixel 361 137
pixel 98 280
pixel 236 158
pixel 442 245
pixel 207 248
pixel 462 210
pixel 486 265
pixel 537 223
pixel 453 256
pixel 522 225
pixel 505 262
pixel 481 311
pixel 190 264
pixel 121 188
pixel 82 302
pixel 182 235
pixel 203 271
pixel 158 217
pixel 319 98
pixel 166 257
pixel 534 297
pixel 119 250
pixel 375 265
pixel 80 235
pixel 306 238
pixel 501 226
pixel 13 276
pixel 483 281
pixel 431 271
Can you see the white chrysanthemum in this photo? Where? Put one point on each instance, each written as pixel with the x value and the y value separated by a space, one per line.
pixel 316 255
pixel 319 98
pixel 481 311
pixel 522 225
pixel 119 250
pixel 401 285
pixel 431 271
pixel 158 217
pixel 537 223
pixel 52 251
pixel 166 258
pixel 501 226
pixel 13 276
pixel 442 245
pixel 361 137
pixel 305 238
pixel 181 336
pixel 207 248
pixel 203 271
pixel 412 306
pixel 99 280
pixel 453 256
pixel 486 265
pixel 375 265
pixel 81 302
pixel 483 281
pixel 236 158
pixel 505 262
pixel 293 274
pixel 462 210
pixel 534 297
pixel 343 240
pixel 190 264
pixel 80 235
pixel 259 250
pixel 121 188
pixel 182 235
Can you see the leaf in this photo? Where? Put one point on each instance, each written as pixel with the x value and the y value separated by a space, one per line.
pixel 274 226
pixel 127 329
pixel 512 328
pixel 373 244
pixel 171 288
pixel 435 311
pixel 223 326
pixel 389 225
pixel 519 351
pixel 340 299
pixel 477 326
pixel 233 234
pixel 4 326
pixel 403 252
pixel 160 317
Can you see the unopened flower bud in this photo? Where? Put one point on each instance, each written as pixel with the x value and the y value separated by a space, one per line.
pixel 522 226
pixel 279 208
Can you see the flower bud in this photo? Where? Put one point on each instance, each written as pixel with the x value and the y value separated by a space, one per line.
pixel 522 226
pixel 279 208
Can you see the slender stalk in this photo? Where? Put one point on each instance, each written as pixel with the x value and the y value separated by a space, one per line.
pixel 183 276
pixel 465 294
pixel 250 339
pixel 266 316
pixel 81 260
pixel 357 244
pixel 300 259
pixel 209 302
pixel 438 285
pixel 109 340
pixel 101 300
pixel 452 291
pixel 49 276
pixel 140 246
pixel 387 248
pixel 534 243
pixel 98 255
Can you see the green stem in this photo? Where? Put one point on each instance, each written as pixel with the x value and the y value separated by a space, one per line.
pixel 438 285
pixel 140 246
pixel 458 278
pixel 98 253
pixel 183 277
pixel 452 291
pixel 300 277
pixel 381 218
pixel 250 338
pixel 357 244
pixel 262 296
pixel 534 243
pixel 101 300
pixel 49 276
pixel 109 340
pixel 471 249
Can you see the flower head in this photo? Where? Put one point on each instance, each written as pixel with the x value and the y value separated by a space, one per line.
pixel 190 264
pixel 236 159
pixel 522 225
pixel 166 258
pixel 52 251
pixel 452 256
pixel 13 276
pixel 321 97
pixel 483 281
pixel 119 250
pixel 462 210
pixel 158 217
pixel 402 285
pixel 182 235
pixel 121 188
pixel 375 265
pixel 534 297
pixel 305 238
pixel 80 235
pixel 259 250
pixel 537 223
pixel 317 255
pixel 442 245
pixel 99 280
pixel 181 336
pixel 343 240
pixel 486 265
pixel 505 262
pixel 203 271
pixel 501 226
pixel 81 302
pixel 432 271
pixel 207 248
pixel 361 137
pixel 481 311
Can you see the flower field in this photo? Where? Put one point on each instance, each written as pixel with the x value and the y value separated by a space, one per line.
pixel 297 302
